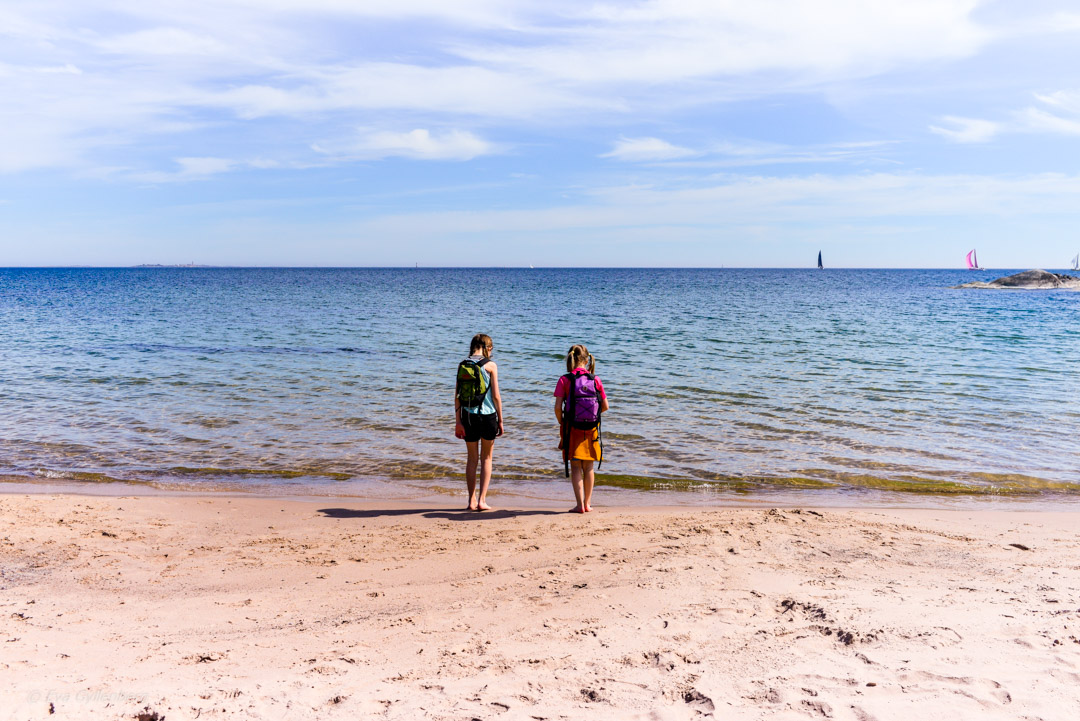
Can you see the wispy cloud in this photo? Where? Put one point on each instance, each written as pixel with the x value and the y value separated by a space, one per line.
pixel 116 73
pixel 1058 113
pixel 1038 120
pixel 807 201
pixel 645 149
pixel 190 169
pixel 742 154
pixel 418 144
pixel 749 154
pixel 967 130
pixel 662 41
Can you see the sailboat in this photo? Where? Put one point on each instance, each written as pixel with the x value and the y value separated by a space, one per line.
pixel 973 261
pixel 819 265
pixel 1076 262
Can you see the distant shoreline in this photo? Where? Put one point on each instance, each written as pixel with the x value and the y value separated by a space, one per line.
pixel 490 267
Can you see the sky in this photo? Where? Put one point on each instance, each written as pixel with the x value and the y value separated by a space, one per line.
pixel 540 132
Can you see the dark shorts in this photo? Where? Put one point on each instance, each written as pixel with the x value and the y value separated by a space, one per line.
pixel 479 426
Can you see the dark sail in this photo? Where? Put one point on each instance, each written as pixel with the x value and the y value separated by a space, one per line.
pixel 819 265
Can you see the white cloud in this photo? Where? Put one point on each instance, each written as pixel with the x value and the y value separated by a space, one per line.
pixel 661 41
pixel 645 149
pixel 164 41
pixel 1059 114
pixel 67 69
pixel 454 90
pixel 1064 120
pixel 1039 120
pixel 205 166
pixel 1069 101
pixel 418 144
pixel 190 169
pixel 748 154
pixel 158 68
pixel 967 130
pixel 812 201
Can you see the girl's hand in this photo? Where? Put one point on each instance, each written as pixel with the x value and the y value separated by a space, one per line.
pixel 459 430
pixel 500 429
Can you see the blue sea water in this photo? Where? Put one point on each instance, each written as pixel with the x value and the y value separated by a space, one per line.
pixel 834 383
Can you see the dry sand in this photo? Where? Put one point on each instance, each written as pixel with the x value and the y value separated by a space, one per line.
pixel 182 607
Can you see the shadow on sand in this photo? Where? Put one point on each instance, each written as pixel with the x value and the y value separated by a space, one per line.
pixel 447 514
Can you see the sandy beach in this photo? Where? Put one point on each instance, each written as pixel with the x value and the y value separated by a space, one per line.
pixel 184 607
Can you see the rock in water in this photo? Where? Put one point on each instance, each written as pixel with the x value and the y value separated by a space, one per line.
pixel 1029 279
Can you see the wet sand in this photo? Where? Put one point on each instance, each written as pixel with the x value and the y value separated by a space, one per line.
pixel 189 607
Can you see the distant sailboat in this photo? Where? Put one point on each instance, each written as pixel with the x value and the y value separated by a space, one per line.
pixel 819 265
pixel 973 261
pixel 1076 262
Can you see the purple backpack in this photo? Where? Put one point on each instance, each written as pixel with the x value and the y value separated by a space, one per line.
pixel 582 410
pixel 583 400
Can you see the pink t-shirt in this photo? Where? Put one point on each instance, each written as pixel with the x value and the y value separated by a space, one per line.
pixel 560 387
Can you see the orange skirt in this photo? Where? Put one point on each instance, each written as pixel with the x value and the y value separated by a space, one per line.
pixel 584 445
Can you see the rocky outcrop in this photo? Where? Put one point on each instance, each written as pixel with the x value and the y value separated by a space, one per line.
pixel 1031 280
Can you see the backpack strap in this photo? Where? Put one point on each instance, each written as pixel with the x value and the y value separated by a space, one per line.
pixel 567 420
pixel 599 422
pixel 487 391
pixel 600 436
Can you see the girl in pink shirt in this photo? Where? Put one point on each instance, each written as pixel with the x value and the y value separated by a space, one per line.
pixel 580 444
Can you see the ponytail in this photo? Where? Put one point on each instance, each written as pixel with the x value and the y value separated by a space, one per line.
pixel 578 357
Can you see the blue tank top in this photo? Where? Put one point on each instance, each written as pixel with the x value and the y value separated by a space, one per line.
pixel 487 406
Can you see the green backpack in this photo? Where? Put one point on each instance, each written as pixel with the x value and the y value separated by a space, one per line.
pixel 472 385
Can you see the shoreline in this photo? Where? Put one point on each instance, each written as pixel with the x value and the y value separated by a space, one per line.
pixel 558 491
pixel 195 606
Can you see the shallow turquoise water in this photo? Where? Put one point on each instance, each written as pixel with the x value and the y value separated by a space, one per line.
pixel 743 381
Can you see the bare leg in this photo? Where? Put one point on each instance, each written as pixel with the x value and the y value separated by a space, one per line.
pixel 575 481
pixel 487 449
pixel 588 479
pixel 470 471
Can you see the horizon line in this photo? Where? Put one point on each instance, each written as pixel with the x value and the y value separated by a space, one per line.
pixel 155 266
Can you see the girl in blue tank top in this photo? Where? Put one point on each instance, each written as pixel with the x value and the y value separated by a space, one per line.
pixel 481 424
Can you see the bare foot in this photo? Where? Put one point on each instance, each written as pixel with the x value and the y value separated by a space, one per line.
pixel 483 507
pixel 576 509
pixel 588 509
pixel 472 508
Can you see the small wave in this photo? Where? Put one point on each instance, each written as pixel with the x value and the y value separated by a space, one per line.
pixel 84 476
pixel 264 472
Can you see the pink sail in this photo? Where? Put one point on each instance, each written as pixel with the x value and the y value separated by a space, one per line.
pixel 972 265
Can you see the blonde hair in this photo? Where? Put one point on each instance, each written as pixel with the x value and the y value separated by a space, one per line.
pixel 481 342
pixel 578 357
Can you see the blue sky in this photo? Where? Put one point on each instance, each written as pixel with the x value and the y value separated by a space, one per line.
pixel 656 133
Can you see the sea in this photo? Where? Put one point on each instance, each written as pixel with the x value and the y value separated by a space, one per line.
pixel 762 386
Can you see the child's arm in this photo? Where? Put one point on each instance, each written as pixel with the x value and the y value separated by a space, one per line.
pixel 496 398
pixel 559 399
